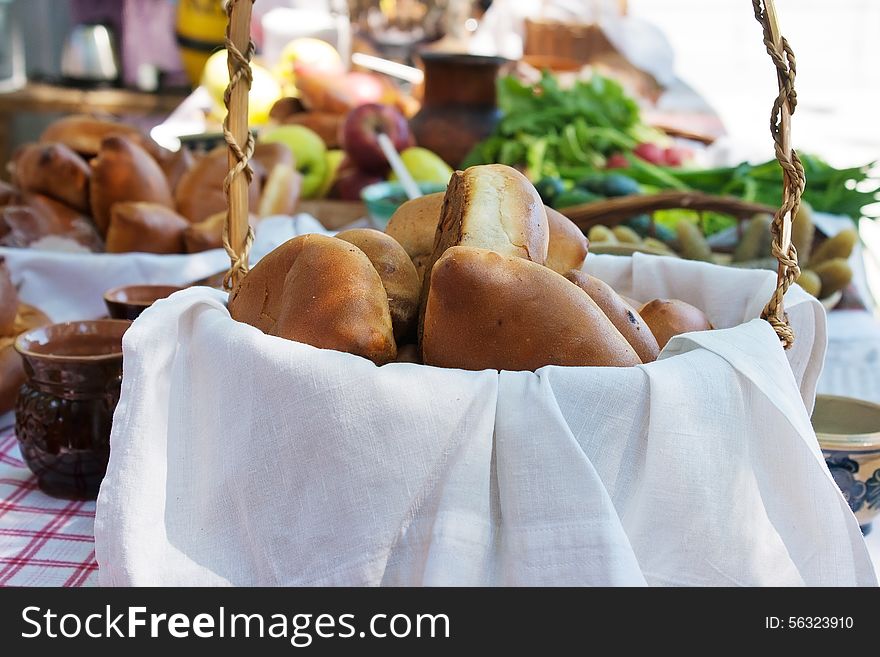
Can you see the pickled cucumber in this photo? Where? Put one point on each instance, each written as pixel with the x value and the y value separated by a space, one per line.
pixel 835 275
pixel 602 234
pixel 626 235
pixel 802 232
pixel 839 246
pixel 654 243
pixel 810 281
pixel 755 242
pixel 691 243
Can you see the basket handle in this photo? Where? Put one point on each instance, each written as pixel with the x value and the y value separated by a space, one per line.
pixel 793 178
pixel 237 233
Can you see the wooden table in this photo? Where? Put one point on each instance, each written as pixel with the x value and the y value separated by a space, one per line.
pixel 41 98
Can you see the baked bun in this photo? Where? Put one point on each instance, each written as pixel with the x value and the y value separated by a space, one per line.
pixel 670 317
pixel 84 134
pixel 280 191
pixel 123 171
pixel 146 228
pixel 208 234
pixel 175 165
pixel 8 300
pixel 53 170
pixel 568 244
pixel 270 154
pixel 486 310
pixel 321 291
pixel 398 275
pixel 11 366
pixel 625 318
pixel 199 193
pixel 41 222
pixel 414 225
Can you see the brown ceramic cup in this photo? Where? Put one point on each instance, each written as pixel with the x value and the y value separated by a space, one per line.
pixel 129 301
pixel 65 407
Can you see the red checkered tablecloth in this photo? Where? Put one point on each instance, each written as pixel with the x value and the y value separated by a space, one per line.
pixel 43 541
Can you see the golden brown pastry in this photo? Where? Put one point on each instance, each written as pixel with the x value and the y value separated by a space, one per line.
pixel 84 134
pixel 568 244
pixel 11 367
pixel 398 275
pixel 53 170
pixel 37 220
pixel 176 165
pixel 145 227
pixel 199 193
pixel 125 172
pixel 208 234
pixel 321 291
pixel 280 191
pixel 268 155
pixel 670 317
pixel 486 310
pixel 414 226
pixel 625 318
pixel 8 300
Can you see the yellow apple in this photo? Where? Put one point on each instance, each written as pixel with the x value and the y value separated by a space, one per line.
pixel 265 90
pixel 424 166
pixel 333 158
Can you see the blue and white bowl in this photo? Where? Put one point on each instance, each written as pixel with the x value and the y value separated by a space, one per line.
pixel 849 435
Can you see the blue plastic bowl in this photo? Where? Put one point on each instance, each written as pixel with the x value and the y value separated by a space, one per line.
pixel 383 198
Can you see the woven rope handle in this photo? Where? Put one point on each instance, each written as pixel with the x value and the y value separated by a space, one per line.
pixel 237 233
pixel 793 178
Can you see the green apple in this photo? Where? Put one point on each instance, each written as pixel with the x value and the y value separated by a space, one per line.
pixel 424 166
pixel 309 152
pixel 265 90
pixel 334 159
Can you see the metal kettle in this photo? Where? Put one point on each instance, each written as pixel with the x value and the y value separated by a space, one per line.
pixel 90 56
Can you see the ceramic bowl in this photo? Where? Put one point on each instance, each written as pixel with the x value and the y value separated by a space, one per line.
pixel 73 374
pixel 383 198
pixel 849 435
pixel 129 301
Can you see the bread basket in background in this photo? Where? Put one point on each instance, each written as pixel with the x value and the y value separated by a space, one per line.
pixel 240 458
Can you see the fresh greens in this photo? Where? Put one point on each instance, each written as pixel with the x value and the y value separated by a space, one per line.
pixel 546 130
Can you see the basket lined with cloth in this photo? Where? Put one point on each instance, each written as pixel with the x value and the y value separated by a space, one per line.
pixel 241 458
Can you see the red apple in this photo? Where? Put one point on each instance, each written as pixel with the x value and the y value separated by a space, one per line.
pixel 360 135
pixel 650 153
pixel 675 156
pixel 617 161
pixel 350 181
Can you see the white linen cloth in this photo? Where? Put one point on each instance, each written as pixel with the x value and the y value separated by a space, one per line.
pixel 244 459
pixel 70 286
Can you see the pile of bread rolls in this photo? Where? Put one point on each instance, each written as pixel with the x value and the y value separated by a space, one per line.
pixel 15 318
pixel 481 277
pixel 96 185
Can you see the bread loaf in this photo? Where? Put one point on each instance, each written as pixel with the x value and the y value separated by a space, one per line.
pixel 199 193
pixel 39 218
pixel 123 171
pixel 280 191
pixel 490 206
pixel 398 275
pixel 270 154
pixel 568 245
pixel 84 134
pixel 625 318
pixel 321 291
pixel 146 228
pixel 486 310
pixel 11 367
pixel 670 317
pixel 414 226
pixel 53 170
pixel 176 165
pixel 8 300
